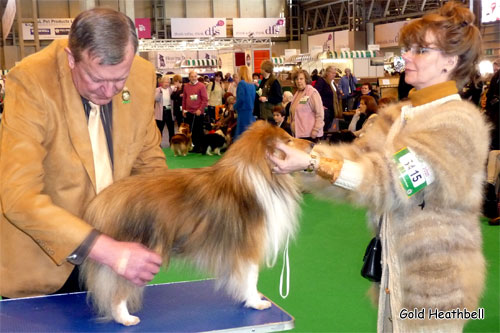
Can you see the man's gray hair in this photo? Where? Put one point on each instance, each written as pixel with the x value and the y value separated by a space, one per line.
pixel 104 33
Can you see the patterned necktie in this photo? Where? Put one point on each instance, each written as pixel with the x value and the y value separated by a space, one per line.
pixel 102 162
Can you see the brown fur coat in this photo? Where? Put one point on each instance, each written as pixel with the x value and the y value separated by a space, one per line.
pixel 432 253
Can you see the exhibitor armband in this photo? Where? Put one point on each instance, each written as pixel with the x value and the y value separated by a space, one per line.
pixel 414 173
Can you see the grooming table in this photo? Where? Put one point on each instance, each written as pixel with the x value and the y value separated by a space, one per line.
pixel 193 306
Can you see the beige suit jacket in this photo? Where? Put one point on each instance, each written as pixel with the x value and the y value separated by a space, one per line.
pixel 47 170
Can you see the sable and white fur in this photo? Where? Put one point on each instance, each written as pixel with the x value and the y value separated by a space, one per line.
pixel 181 143
pixel 226 219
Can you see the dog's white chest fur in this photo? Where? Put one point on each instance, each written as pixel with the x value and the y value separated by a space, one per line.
pixel 280 209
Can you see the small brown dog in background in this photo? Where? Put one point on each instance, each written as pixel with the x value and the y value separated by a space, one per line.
pixel 181 143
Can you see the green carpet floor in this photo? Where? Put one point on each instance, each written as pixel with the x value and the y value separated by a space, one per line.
pixel 327 293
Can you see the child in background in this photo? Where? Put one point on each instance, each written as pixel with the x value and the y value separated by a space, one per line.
pixel 279 118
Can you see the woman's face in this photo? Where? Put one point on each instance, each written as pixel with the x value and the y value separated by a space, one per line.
pixel 165 83
pixel 362 106
pixel 426 65
pixel 218 78
pixel 300 81
pixel 236 78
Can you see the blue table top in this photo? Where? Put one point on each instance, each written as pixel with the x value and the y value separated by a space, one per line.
pixel 193 306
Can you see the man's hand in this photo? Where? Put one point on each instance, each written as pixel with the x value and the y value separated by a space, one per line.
pixel 198 112
pixel 263 98
pixel 133 261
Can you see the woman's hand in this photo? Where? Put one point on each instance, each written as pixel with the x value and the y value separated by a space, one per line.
pixel 295 160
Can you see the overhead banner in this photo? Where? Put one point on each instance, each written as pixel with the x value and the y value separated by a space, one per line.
pixel 259 27
pixel 324 40
pixel 143 26
pixel 387 35
pixel 341 39
pixel 198 27
pixel 8 17
pixel 48 28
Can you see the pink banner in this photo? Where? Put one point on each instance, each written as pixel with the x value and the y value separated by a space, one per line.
pixel 143 26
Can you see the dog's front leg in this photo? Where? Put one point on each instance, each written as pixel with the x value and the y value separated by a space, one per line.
pixel 252 296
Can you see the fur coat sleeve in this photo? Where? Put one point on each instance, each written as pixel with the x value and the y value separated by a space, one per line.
pixel 452 139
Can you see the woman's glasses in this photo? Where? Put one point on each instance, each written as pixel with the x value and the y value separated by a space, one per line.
pixel 417 50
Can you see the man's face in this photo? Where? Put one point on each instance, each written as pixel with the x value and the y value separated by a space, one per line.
pixel 193 77
pixel 99 83
pixel 347 72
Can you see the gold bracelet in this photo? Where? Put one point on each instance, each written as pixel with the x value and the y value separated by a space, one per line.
pixel 329 168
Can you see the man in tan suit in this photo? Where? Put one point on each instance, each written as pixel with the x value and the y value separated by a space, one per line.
pixel 48 165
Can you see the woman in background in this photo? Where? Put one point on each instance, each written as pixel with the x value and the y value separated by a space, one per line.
pixel 306 110
pixel 176 97
pixel 163 106
pixel 245 97
pixel 215 91
pixel 420 170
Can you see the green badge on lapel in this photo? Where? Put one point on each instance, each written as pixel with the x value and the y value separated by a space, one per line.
pixel 125 95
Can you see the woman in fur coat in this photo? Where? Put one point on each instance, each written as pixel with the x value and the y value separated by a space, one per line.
pixel 420 167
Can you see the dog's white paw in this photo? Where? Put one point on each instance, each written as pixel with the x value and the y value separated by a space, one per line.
pixel 130 320
pixel 122 316
pixel 258 304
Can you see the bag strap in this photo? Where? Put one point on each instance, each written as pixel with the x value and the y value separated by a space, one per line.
pixel 380 225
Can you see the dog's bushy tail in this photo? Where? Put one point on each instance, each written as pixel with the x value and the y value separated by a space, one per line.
pixel 106 289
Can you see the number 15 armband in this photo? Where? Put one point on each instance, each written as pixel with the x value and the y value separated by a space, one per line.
pixel 414 173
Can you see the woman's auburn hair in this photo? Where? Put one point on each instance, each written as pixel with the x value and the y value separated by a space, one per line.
pixel 455 35
pixel 296 73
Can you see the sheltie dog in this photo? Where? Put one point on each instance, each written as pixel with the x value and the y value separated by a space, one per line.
pixel 214 142
pixel 181 143
pixel 226 219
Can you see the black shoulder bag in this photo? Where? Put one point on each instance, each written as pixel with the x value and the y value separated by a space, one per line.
pixel 372 266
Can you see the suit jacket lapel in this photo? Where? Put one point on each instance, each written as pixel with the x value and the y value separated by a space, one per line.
pixel 122 132
pixel 75 115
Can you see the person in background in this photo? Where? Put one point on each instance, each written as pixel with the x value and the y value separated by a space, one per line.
pixel 280 120
pixel 233 85
pixel 269 92
pixel 367 109
pixel 79 115
pixel 245 97
pixel 194 101
pixel 328 91
pixel 386 101
pixel 215 91
pixel 306 110
pixel 287 101
pixel 420 170
pixel 176 97
pixel 365 90
pixel 314 75
pixel 256 79
pixel 493 106
pixel 347 89
pixel 164 112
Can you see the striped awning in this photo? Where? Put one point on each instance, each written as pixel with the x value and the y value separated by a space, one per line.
pixel 299 58
pixel 278 60
pixel 199 63
pixel 347 54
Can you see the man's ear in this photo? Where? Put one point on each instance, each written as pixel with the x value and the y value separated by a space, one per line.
pixel 71 58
